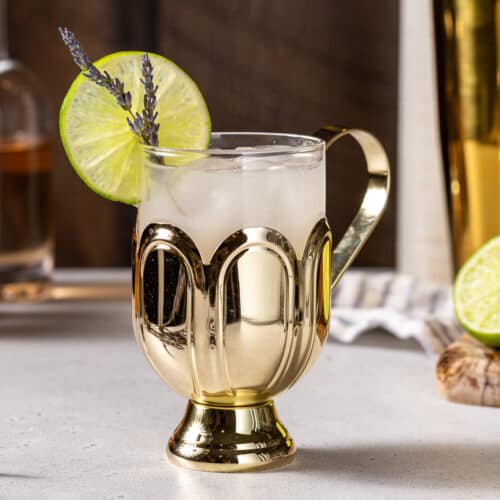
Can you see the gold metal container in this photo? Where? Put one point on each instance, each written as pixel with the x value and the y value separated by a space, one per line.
pixel 233 331
pixel 468 63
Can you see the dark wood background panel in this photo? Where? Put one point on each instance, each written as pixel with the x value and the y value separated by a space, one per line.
pixel 273 65
pixel 294 66
pixel 86 224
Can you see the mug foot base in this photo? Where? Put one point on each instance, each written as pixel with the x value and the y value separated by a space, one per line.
pixel 230 439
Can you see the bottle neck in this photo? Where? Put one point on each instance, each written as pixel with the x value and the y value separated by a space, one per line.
pixel 4 51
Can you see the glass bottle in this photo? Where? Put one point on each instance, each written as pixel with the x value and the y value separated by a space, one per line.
pixel 26 236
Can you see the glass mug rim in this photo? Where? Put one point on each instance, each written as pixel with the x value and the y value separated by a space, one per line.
pixel 257 143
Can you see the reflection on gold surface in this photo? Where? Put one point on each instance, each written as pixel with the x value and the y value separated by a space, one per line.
pixel 253 438
pixel 468 48
pixel 232 334
pixel 244 329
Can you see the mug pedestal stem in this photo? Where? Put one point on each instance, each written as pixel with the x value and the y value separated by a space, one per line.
pixel 230 439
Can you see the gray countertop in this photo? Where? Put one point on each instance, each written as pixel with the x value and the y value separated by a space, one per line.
pixel 82 415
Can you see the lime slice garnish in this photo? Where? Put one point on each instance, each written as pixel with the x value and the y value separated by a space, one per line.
pixel 476 294
pixel 97 140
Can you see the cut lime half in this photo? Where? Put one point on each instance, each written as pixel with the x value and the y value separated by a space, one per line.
pixel 97 140
pixel 476 294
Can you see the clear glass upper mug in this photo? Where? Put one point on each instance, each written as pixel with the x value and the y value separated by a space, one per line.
pixel 232 279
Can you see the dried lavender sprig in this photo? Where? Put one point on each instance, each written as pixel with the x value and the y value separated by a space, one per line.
pixel 143 126
pixel 144 123
pixel 113 85
pixel 148 114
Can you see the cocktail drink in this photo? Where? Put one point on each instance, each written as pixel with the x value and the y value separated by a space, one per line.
pixel 244 180
pixel 232 277
pixel 232 253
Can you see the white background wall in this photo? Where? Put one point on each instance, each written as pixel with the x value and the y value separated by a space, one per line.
pixel 423 244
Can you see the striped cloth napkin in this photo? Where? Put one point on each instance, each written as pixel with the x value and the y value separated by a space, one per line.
pixel 399 304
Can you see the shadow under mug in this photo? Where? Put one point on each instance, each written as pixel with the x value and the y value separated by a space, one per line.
pixel 233 324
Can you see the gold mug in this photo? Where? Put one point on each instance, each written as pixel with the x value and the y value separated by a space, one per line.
pixel 232 276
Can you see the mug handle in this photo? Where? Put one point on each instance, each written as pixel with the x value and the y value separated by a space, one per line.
pixel 374 201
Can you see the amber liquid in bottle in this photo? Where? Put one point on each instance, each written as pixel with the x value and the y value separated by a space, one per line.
pixel 25 224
